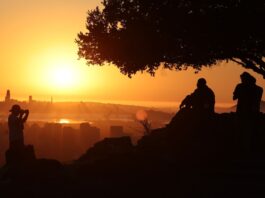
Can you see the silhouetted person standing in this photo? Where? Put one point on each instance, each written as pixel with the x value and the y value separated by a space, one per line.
pixel 16 121
pixel 201 100
pixel 248 96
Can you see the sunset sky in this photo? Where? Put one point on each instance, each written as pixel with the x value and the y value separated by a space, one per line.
pixel 38 56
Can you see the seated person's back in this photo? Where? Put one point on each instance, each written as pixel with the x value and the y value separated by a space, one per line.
pixel 202 99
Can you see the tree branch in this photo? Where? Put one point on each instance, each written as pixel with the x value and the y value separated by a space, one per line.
pixel 249 64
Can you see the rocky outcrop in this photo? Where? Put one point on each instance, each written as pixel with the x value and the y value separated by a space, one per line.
pixel 107 148
pixel 217 155
pixel 26 154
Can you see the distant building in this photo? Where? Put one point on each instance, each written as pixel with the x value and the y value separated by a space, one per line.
pixel 69 144
pixel 49 140
pixel 8 96
pixel 89 135
pixel 30 99
pixel 31 135
pixel 116 131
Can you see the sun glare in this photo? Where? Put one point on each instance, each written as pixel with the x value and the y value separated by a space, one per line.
pixel 64 121
pixel 63 75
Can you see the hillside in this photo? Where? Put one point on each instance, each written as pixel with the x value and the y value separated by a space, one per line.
pixel 194 156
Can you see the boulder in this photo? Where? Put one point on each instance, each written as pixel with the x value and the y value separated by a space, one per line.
pixel 26 154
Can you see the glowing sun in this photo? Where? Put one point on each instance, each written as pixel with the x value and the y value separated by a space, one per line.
pixel 63 74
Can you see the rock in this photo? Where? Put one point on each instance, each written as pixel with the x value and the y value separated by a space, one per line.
pixel 107 148
pixel 25 155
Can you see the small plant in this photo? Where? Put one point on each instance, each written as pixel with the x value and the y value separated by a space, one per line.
pixel 142 118
pixel 147 126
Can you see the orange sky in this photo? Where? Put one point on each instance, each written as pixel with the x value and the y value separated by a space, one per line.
pixel 38 56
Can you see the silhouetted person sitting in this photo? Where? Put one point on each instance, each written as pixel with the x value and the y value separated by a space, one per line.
pixel 201 100
pixel 16 121
pixel 248 96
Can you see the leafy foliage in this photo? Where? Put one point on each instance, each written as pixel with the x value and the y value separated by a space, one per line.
pixel 141 35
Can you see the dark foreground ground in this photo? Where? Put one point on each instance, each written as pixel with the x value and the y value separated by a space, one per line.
pixel 194 156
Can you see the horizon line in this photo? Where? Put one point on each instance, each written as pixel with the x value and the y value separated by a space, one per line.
pixel 145 103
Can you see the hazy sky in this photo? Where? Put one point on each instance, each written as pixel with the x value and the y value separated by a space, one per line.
pixel 38 56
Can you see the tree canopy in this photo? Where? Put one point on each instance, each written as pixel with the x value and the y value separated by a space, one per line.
pixel 141 35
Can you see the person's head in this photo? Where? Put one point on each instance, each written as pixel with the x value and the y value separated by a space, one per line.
pixel 201 83
pixel 15 109
pixel 247 78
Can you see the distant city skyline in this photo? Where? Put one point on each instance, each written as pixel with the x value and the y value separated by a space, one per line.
pixel 157 104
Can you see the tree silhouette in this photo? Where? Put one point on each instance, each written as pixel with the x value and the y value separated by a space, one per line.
pixel 138 35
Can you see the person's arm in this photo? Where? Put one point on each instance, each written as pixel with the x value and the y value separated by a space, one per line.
pixel 182 104
pixel 20 116
pixel 260 93
pixel 185 102
pixel 235 94
pixel 26 115
pixel 213 102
